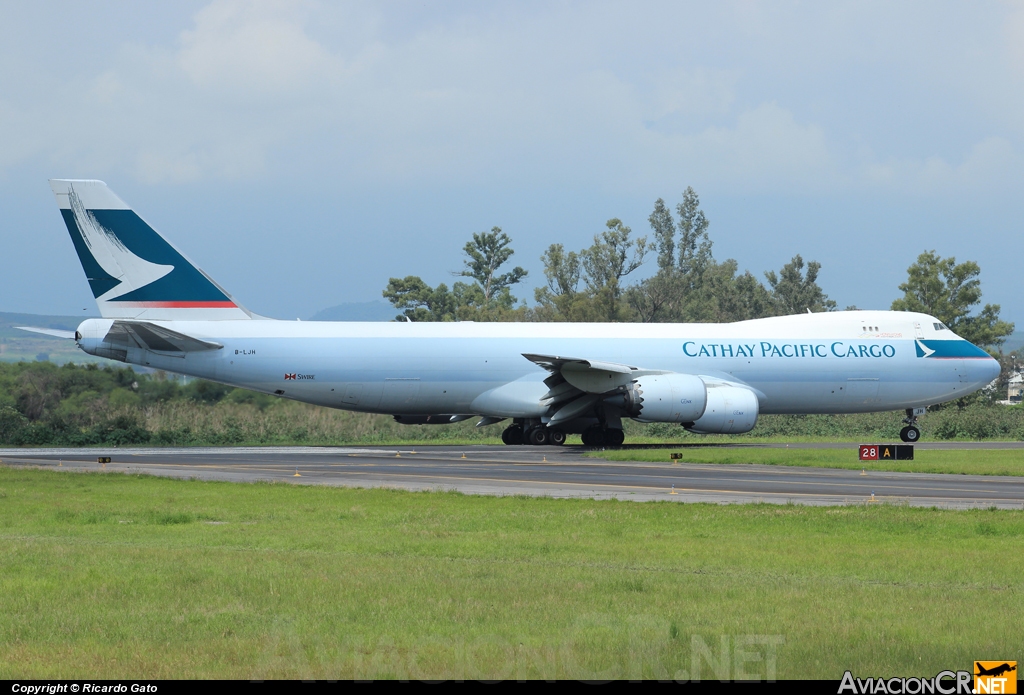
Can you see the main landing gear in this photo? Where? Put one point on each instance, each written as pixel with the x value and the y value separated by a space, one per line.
pixel 910 433
pixel 513 434
pixel 539 435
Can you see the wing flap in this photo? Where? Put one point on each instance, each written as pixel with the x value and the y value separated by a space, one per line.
pixel 554 363
pixel 585 376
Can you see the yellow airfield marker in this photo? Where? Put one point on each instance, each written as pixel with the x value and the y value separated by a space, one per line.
pixel 863 471
pixel 398 456
pixel 463 454
pixel 673 490
pixel 412 452
pixel 297 474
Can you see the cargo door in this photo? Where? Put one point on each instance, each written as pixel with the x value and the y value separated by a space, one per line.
pixel 399 395
pixel 352 394
pixel 862 390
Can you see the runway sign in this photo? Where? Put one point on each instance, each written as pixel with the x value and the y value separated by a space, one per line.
pixel 886 452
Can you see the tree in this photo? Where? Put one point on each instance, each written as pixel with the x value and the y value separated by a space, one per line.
pixel 693 286
pixel 694 242
pixel 664 234
pixel 949 291
pixel 489 298
pixel 487 252
pixel 795 293
pixel 419 301
pixel 601 268
pixel 559 299
pixel 612 256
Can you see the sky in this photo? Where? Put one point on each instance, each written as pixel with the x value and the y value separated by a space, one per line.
pixel 303 152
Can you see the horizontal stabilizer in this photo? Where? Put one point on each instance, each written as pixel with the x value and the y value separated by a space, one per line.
pixel 55 332
pixel 149 336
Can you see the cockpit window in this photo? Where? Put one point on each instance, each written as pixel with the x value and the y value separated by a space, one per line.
pixel 940 326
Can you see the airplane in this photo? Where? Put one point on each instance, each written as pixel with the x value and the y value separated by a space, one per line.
pixel 159 310
pixel 996 670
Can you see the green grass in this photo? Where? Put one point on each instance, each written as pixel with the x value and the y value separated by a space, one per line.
pixel 975 461
pixel 115 576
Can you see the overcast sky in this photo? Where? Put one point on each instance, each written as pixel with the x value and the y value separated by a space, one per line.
pixel 303 153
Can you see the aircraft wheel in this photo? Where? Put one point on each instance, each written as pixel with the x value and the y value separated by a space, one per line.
pixel 593 436
pixel 910 434
pixel 512 435
pixel 556 437
pixel 538 436
pixel 614 437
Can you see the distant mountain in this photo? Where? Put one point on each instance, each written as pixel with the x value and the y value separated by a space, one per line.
pixel 1014 343
pixel 357 311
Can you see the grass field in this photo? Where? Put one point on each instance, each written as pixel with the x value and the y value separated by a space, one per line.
pixel 113 576
pixel 975 461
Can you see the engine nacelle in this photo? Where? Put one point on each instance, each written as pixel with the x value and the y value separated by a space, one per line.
pixel 663 398
pixel 730 410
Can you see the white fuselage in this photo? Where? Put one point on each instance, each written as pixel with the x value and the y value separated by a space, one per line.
pixel 841 362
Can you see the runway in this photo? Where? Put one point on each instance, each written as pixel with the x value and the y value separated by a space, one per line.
pixel 559 472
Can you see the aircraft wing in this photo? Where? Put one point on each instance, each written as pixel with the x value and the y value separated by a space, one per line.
pixel 150 336
pixel 572 377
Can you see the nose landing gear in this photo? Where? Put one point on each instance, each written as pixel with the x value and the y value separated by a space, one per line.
pixel 910 433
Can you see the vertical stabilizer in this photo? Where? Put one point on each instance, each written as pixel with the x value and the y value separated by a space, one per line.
pixel 134 272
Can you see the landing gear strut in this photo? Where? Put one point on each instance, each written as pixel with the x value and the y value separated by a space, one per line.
pixel 910 433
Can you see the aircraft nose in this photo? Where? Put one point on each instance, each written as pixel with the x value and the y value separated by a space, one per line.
pixel 991 370
pixel 983 371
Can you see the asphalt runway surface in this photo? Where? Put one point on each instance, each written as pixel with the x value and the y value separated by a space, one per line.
pixel 548 471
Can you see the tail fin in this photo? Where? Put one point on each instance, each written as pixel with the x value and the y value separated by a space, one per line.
pixel 134 272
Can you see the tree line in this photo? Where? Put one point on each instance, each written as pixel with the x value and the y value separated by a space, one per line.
pixel 690 284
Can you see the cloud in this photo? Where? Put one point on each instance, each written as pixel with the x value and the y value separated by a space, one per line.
pixel 253 48
pixel 765 147
pixel 503 95
pixel 991 164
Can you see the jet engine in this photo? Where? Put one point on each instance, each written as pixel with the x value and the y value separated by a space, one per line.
pixel 663 398
pixel 730 410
